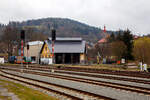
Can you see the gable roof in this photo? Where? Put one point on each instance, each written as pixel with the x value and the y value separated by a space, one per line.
pixel 67 39
pixel 67 45
pixel 103 40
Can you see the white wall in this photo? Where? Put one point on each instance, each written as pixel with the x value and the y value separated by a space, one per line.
pixel 1 60
pixel 46 61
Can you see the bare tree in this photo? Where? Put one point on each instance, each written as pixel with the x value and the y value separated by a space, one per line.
pixel 33 35
pixel 104 49
pixel 118 49
pixel 11 39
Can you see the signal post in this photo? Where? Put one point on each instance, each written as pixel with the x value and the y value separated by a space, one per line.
pixel 22 47
pixel 53 42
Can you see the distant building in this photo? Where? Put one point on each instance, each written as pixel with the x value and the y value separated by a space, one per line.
pixel 89 45
pixel 103 40
pixel 34 50
pixel 105 35
pixel 135 37
pixel 66 51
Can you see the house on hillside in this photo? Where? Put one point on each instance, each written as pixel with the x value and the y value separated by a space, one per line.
pixel 66 51
pixel 136 37
pixel 102 41
pixel 105 36
pixel 34 50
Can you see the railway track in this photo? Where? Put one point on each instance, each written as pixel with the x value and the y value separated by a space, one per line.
pixel 99 76
pixel 102 71
pixel 92 75
pixel 108 77
pixel 69 93
pixel 94 82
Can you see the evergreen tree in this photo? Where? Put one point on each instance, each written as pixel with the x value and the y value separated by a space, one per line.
pixel 127 38
pixel 119 36
pixel 111 38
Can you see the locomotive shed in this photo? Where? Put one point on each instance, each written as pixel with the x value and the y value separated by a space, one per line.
pixel 66 50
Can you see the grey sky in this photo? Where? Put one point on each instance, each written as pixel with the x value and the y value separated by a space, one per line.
pixel 115 14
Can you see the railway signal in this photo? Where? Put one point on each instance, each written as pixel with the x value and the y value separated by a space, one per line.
pixel 53 40
pixel 53 34
pixel 27 46
pixel 22 34
pixel 22 40
pixel 27 54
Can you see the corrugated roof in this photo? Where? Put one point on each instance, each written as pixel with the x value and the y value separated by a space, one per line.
pixel 67 45
pixel 67 39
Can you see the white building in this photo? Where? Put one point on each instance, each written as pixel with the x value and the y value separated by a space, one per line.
pixel 34 50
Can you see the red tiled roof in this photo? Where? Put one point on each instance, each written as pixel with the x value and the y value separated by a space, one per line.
pixel 102 40
pixel 135 36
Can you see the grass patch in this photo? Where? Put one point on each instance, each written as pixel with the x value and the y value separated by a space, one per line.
pixel 96 66
pixel 102 66
pixel 4 98
pixel 23 92
pixel 116 67
pixel 9 64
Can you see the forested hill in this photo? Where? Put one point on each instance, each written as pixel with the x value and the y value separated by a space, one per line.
pixel 1 29
pixel 64 28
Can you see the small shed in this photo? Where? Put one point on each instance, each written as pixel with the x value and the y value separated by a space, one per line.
pixel 34 50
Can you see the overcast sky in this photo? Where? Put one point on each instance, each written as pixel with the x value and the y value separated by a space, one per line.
pixel 115 14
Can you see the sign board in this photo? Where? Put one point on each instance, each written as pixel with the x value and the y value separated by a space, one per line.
pixel 104 60
pixel 123 61
pixel 145 67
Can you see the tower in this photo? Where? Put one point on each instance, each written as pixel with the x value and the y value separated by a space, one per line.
pixel 104 29
pixel 104 33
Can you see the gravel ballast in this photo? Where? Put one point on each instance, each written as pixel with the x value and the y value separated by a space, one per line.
pixel 101 90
